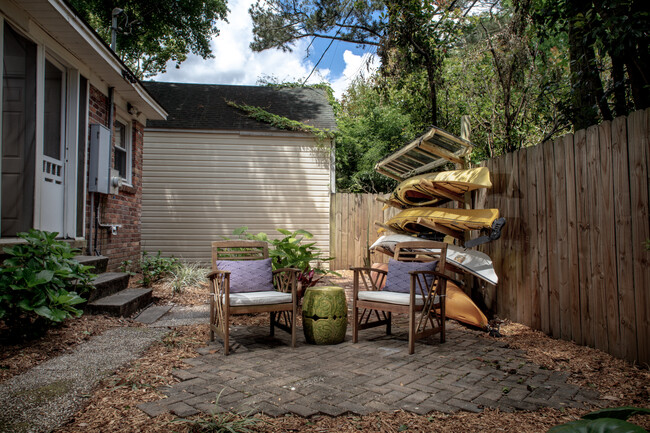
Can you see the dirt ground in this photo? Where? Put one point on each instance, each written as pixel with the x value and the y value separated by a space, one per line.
pixel 113 405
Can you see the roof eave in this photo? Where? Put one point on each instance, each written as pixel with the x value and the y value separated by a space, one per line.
pixel 63 24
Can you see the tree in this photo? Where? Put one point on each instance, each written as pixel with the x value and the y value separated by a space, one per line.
pixel 151 33
pixel 608 47
pixel 371 125
pixel 411 35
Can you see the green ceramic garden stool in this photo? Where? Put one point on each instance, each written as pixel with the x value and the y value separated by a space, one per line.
pixel 324 315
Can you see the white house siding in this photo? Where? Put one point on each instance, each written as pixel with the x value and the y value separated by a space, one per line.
pixel 200 186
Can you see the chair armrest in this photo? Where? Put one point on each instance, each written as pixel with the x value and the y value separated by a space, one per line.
pixel 359 269
pixel 286 270
pixel 287 283
pixel 213 274
pixel 436 273
pixel 365 274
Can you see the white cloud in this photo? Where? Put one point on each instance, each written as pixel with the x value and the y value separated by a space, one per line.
pixel 235 63
pixel 355 66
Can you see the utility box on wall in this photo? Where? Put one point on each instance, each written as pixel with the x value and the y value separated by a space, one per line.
pixel 99 178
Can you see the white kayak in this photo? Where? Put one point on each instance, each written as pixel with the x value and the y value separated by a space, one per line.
pixel 462 260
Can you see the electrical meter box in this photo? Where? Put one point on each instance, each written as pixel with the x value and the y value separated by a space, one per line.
pixel 99 177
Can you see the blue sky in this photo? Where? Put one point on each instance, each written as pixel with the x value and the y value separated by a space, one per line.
pixel 235 63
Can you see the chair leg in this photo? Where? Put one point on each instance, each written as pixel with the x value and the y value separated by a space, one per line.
pixel 226 336
pixel 272 323
pixel 389 324
pixel 293 329
pixel 212 315
pixel 411 330
pixel 355 324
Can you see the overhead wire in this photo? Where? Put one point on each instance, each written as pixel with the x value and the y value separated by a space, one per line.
pixel 329 45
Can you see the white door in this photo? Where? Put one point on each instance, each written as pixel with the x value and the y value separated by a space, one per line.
pixel 53 165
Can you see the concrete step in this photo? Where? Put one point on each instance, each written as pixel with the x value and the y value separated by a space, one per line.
pixel 123 303
pixel 99 263
pixel 107 284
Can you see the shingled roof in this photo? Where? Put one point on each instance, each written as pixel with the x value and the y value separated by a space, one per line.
pixel 203 106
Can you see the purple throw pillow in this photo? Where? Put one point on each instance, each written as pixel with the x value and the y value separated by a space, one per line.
pixel 248 275
pixel 399 279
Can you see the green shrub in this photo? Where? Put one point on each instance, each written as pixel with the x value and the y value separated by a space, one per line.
pixel 41 283
pixel 152 268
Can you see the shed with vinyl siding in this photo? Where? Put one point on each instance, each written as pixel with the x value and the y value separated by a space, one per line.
pixel 209 168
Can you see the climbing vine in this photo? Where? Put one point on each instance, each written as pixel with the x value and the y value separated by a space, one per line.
pixel 281 122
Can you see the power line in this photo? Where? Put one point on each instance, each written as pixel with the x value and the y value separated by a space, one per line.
pixel 328 47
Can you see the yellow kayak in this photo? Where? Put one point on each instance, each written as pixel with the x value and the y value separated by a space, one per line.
pixel 451 222
pixel 434 189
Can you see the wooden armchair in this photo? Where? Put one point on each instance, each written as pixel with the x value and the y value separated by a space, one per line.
pixel 423 298
pixel 241 282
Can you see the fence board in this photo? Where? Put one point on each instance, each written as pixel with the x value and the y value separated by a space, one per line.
pixel 607 229
pixel 523 268
pixel 623 227
pixel 498 248
pixel 552 245
pixel 562 256
pixel 531 217
pixel 584 261
pixel 638 143
pixel 572 238
pixel 597 297
pixel 542 254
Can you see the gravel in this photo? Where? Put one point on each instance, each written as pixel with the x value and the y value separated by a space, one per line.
pixel 48 395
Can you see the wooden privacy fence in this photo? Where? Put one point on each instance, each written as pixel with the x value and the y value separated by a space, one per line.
pixel 352 228
pixel 572 260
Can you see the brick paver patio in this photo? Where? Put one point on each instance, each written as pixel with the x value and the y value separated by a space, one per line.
pixel 264 374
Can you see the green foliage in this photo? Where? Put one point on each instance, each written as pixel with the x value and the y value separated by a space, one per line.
pixel 371 126
pixel 604 421
pixel 221 422
pixel 41 283
pixel 290 252
pixel 152 268
pixel 152 33
pixel 185 275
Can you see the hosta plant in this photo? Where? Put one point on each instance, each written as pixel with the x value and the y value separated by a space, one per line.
pixel 41 283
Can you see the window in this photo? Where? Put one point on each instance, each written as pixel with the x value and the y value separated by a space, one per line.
pixel 122 150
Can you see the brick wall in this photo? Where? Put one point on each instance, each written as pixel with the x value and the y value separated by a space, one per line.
pixel 122 209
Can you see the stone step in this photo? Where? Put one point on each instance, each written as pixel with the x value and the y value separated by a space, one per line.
pixel 99 263
pixel 107 284
pixel 123 303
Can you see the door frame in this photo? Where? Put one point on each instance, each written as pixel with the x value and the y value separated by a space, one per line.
pixel 70 134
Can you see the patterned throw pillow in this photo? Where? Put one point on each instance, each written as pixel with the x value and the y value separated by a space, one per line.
pixel 399 279
pixel 248 275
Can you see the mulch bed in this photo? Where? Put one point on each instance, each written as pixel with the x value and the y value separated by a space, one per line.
pixel 113 406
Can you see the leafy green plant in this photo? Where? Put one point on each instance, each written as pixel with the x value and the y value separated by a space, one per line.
pixel 41 283
pixel 153 268
pixel 604 421
pixel 291 252
pixel 185 275
pixel 221 421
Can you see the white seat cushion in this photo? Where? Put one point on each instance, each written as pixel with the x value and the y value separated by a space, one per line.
pixel 390 297
pixel 259 298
